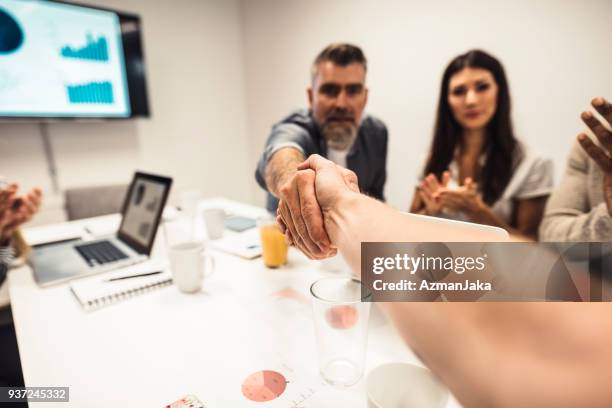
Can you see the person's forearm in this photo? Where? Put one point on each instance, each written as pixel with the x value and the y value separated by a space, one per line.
pixel 281 166
pixel 357 218
pixel 488 354
pixel 447 338
pixel 484 352
pixel 427 327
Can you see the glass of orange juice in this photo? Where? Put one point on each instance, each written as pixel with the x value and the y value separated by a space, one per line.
pixel 274 246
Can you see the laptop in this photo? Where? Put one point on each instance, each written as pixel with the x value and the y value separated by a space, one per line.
pixel 140 216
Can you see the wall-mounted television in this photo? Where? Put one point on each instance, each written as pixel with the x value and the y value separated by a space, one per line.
pixel 65 60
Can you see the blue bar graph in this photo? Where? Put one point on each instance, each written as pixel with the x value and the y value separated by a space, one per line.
pixel 93 92
pixel 95 50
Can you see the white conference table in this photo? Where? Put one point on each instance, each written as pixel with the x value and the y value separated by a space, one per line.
pixel 150 350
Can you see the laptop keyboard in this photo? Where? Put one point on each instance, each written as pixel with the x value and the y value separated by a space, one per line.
pixel 99 253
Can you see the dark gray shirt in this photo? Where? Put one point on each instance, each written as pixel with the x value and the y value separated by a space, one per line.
pixel 367 157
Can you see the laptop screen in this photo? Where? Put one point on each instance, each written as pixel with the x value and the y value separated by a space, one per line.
pixel 142 209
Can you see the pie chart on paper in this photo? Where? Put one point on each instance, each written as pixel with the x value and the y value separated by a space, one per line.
pixel 262 386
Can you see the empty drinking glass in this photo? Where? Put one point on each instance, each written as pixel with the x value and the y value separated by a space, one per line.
pixel 341 315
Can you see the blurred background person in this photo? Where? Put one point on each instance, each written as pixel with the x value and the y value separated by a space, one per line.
pixel 333 126
pixel 580 208
pixel 14 212
pixel 476 169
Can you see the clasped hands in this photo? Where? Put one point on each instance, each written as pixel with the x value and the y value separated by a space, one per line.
pixel 307 201
pixel 438 196
pixel 16 210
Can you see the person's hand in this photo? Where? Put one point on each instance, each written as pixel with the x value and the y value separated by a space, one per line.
pixel 462 199
pixel 324 181
pixel 299 208
pixel 7 201
pixel 429 190
pixel 332 180
pixel 602 155
pixel 15 211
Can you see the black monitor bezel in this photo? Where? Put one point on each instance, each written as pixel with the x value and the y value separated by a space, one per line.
pixel 135 245
pixel 138 109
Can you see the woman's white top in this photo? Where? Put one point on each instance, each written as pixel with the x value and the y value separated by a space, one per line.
pixel 532 177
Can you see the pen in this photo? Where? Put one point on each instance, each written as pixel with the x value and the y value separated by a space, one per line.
pixel 134 276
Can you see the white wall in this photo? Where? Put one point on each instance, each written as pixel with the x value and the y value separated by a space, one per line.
pixel 220 72
pixel 194 65
pixel 556 55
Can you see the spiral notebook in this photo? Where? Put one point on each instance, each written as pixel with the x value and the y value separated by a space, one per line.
pixel 99 291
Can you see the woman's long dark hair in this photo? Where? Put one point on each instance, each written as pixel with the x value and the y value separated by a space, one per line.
pixel 501 146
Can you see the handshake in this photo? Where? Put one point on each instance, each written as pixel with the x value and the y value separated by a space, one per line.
pixel 308 211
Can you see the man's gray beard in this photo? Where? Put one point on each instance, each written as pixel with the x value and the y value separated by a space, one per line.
pixel 339 136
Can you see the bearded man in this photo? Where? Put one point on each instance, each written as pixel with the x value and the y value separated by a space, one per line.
pixel 334 127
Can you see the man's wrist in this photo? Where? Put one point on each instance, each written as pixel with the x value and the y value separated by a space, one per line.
pixel 283 179
pixel 281 166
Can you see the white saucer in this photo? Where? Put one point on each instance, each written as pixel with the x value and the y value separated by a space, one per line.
pixel 402 385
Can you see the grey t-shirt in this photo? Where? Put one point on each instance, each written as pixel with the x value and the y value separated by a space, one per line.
pixel 367 157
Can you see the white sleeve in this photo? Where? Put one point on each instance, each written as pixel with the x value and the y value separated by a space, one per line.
pixel 539 180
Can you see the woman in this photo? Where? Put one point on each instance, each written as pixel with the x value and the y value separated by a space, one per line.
pixel 476 169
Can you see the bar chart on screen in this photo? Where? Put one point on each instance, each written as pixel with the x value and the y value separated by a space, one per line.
pixel 93 50
pixel 93 92
pixel 61 60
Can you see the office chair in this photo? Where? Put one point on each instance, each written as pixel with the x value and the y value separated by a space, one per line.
pixel 85 202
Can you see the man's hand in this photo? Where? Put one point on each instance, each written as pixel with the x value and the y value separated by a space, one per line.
pixel 302 216
pixel 601 155
pixel 298 202
pixel 325 182
pixel 429 190
pixel 15 211
pixel 331 181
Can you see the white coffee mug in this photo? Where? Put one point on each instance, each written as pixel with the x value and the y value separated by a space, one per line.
pixel 189 265
pixel 402 385
pixel 214 218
